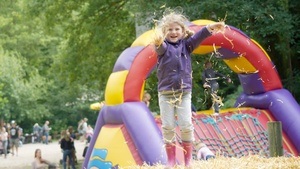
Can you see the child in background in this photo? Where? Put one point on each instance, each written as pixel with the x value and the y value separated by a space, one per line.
pixel 174 42
pixel 203 152
pixel 146 98
pixel 209 80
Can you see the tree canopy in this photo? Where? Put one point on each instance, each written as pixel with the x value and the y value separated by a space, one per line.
pixel 56 56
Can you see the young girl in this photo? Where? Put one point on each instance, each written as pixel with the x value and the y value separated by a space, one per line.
pixel 174 43
pixel 40 163
pixel 67 145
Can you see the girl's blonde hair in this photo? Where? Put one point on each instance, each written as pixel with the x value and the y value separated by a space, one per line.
pixel 172 16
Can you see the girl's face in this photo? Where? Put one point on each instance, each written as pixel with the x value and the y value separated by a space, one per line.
pixel 174 32
pixel 38 153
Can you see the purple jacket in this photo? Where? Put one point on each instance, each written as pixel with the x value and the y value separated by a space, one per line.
pixel 174 68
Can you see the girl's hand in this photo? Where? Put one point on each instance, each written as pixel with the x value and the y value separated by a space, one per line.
pixel 216 27
pixel 158 38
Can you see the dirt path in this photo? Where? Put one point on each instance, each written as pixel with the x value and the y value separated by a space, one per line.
pixel 51 152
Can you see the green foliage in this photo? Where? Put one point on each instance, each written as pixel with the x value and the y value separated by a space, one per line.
pixel 21 95
pixel 56 56
pixel 89 45
pixel 231 98
pixel 293 83
pixel 3 100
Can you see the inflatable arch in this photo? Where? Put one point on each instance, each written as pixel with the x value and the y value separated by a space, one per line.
pixel 125 117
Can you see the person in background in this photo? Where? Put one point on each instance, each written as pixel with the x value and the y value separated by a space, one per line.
pixel 89 133
pixel 40 163
pixel 203 152
pixel 21 136
pixel 46 131
pixel 4 140
pixel 73 136
pixel 83 129
pixel 72 133
pixel 7 127
pixel 174 42
pixel 14 135
pixel 84 126
pixel 209 80
pixel 37 133
pixel 79 129
pixel 146 98
pixel 67 146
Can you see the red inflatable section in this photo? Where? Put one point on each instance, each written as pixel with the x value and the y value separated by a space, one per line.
pixel 140 68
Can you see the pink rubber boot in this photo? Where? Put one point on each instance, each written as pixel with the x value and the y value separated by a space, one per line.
pixel 171 154
pixel 188 148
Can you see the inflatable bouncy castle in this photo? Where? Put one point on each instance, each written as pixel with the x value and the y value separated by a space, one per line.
pixel 126 133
